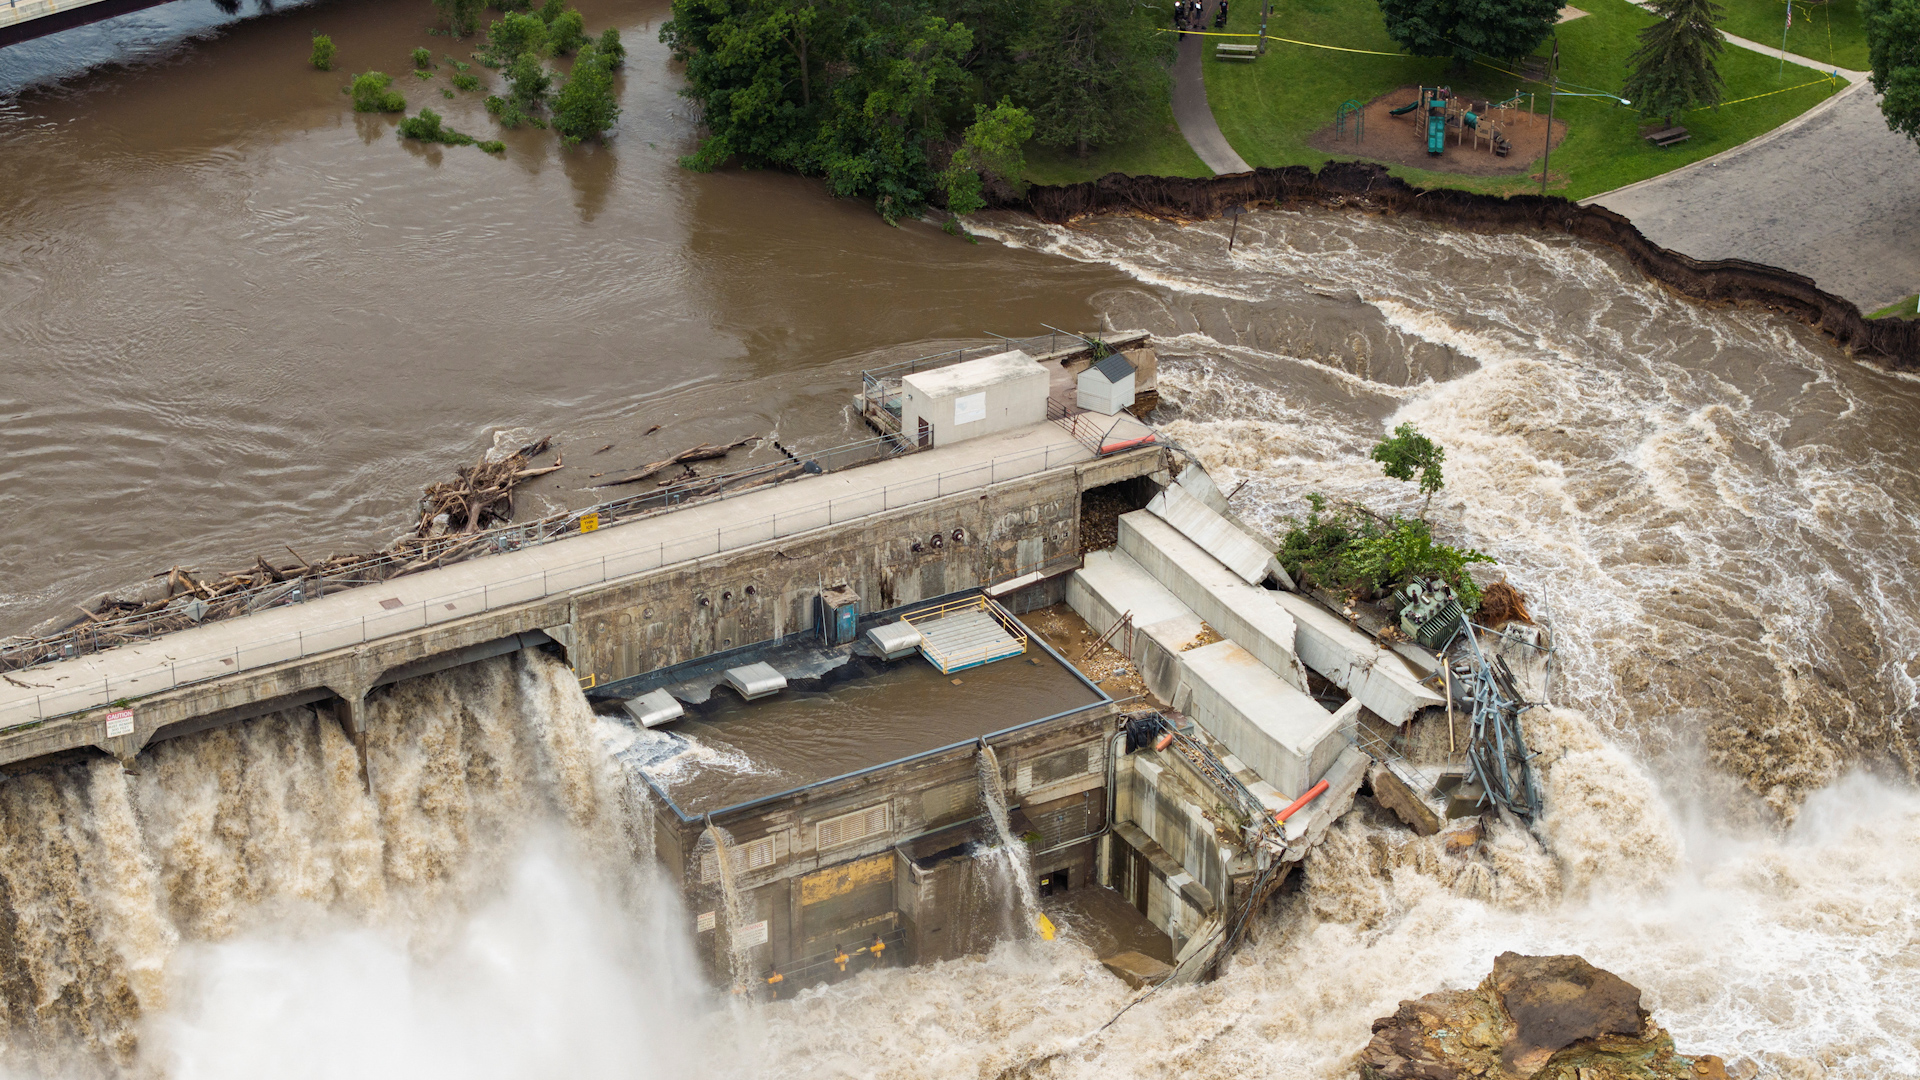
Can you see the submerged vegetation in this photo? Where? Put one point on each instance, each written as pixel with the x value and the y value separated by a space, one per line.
pixel 371 93
pixel 1352 550
pixel 322 56
pixel 427 127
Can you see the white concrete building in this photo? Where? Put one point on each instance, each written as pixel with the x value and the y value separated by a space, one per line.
pixel 1003 392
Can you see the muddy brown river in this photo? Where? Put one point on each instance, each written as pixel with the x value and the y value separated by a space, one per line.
pixel 234 316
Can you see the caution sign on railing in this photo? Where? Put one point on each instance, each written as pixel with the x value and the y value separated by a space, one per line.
pixel 589 522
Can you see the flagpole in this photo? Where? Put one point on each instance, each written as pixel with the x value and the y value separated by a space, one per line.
pixel 1783 42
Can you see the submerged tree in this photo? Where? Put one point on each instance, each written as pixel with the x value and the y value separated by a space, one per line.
pixel 1673 69
pixel 462 15
pixel 370 93
pixel 322 57
pixel 1463 29
pixel 1090 71
pixel 1893 51
pixel 584 108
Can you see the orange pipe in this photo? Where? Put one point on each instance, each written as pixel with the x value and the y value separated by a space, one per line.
pixel 1165 740
pixel 1282 815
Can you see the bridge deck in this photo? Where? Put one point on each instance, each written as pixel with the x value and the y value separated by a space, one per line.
pixel 451 594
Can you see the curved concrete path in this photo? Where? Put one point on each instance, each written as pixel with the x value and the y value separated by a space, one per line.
pixel 1191 111
pixel 1833 195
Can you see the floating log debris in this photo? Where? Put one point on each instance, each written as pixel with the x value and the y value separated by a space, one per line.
pixel 481 494
pixel 703 452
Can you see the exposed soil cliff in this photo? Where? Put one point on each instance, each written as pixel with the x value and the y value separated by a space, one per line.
pixel 1891 343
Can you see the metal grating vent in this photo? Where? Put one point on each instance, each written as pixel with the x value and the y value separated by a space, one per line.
pixel 754 855
pixel 859 825
pixel 1062 766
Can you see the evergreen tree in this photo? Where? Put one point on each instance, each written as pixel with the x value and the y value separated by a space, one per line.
pixel 1673 69
pixel 1893 51
pixel 1090 71
pixel 1462 29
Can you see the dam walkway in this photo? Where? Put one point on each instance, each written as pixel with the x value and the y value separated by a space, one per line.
pixel 36 702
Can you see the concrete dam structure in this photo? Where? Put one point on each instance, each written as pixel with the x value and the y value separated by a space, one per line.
pixel 889 796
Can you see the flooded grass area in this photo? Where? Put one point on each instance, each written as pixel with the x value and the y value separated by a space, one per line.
pixel 732 751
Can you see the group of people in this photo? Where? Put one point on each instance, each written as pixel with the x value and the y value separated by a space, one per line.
pixel 1192 15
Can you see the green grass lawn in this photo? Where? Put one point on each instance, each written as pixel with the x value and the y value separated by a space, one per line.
pixel 1829 32
pixel 1904 309
pixel 1269 108
pixel 1160 151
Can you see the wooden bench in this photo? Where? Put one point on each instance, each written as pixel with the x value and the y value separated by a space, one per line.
pixel 1668 136
pixel 1229 51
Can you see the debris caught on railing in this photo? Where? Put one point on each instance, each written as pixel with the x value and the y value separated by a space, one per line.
pixel 703 452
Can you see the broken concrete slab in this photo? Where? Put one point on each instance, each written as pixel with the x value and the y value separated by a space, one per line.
pixel 1280 732
pixel 1393 792
pixel 1138 969
pixel 1211 530
pixel 1236 610
pixel 1380 678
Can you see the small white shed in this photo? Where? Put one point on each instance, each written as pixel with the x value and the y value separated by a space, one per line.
pixel 995 393
pixel 1106 387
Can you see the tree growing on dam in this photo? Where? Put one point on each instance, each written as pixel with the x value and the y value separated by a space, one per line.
pixel 1893 53
pixel 1463 29
pixel 1674 69
pixel 1090 71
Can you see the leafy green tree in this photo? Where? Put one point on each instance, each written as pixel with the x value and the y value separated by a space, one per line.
pixel 610 49
pixel 1090 71
pixel 551 10
pixel 322 57
pixel 514 35
pixel 1893 53
pixel 371 94
pixel 1462 29
pixel 881 116
pixel 1673 69
pixel 528 80
pixel 1406 453
pixel 462 15
pixel 990 150
pixel 566 32
pixel 584 107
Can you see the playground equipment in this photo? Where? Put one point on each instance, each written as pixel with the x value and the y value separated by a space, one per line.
pixel 1350 108
pixel 1439 109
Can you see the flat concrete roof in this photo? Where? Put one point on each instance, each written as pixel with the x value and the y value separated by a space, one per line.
pixel 451 593
pixel 978 374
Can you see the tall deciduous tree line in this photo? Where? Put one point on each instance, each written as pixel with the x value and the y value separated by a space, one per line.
pixel 908 102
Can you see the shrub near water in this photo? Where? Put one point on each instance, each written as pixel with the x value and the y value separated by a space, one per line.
pixel 322 57
pixel 566 33
pixel 585 107
pixel 610 49
pixel 427 127
pixel 371 94
pixel 422 59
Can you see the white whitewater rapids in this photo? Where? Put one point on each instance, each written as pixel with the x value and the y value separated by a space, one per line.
pixel 1713 505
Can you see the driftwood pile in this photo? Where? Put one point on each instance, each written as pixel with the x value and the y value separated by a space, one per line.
pixel 454 519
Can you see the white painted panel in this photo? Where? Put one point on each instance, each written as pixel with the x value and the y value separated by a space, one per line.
pixel 970 409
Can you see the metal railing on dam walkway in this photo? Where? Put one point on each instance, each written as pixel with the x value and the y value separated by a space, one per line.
pixel 251 657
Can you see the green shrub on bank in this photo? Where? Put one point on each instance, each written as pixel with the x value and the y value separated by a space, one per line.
pixel 371 94
pixel 322 57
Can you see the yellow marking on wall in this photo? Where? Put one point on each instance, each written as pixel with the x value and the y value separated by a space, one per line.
pixel 841 880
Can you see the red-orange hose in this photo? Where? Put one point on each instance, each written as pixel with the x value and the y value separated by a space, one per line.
pixel 1312 794
pixel 1165 740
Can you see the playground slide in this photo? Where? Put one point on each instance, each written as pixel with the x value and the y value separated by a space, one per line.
pixel 1405 109
pixel 1436 134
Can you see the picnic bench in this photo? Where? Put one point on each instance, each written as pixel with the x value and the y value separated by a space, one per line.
pixel 1668 136
pixel 1229 51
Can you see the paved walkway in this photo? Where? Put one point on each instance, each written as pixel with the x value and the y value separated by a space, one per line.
pixel 402 605
pixel 1833 195
pixel 1191 111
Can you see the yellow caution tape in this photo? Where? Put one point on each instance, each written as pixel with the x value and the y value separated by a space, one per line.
pixel 1290 41
pixel 1770 93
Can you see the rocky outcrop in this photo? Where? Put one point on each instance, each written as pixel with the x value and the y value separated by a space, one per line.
pixel 1533 1018
pixel 1891 343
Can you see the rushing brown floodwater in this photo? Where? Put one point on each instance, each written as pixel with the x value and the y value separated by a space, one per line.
pixel 237 315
